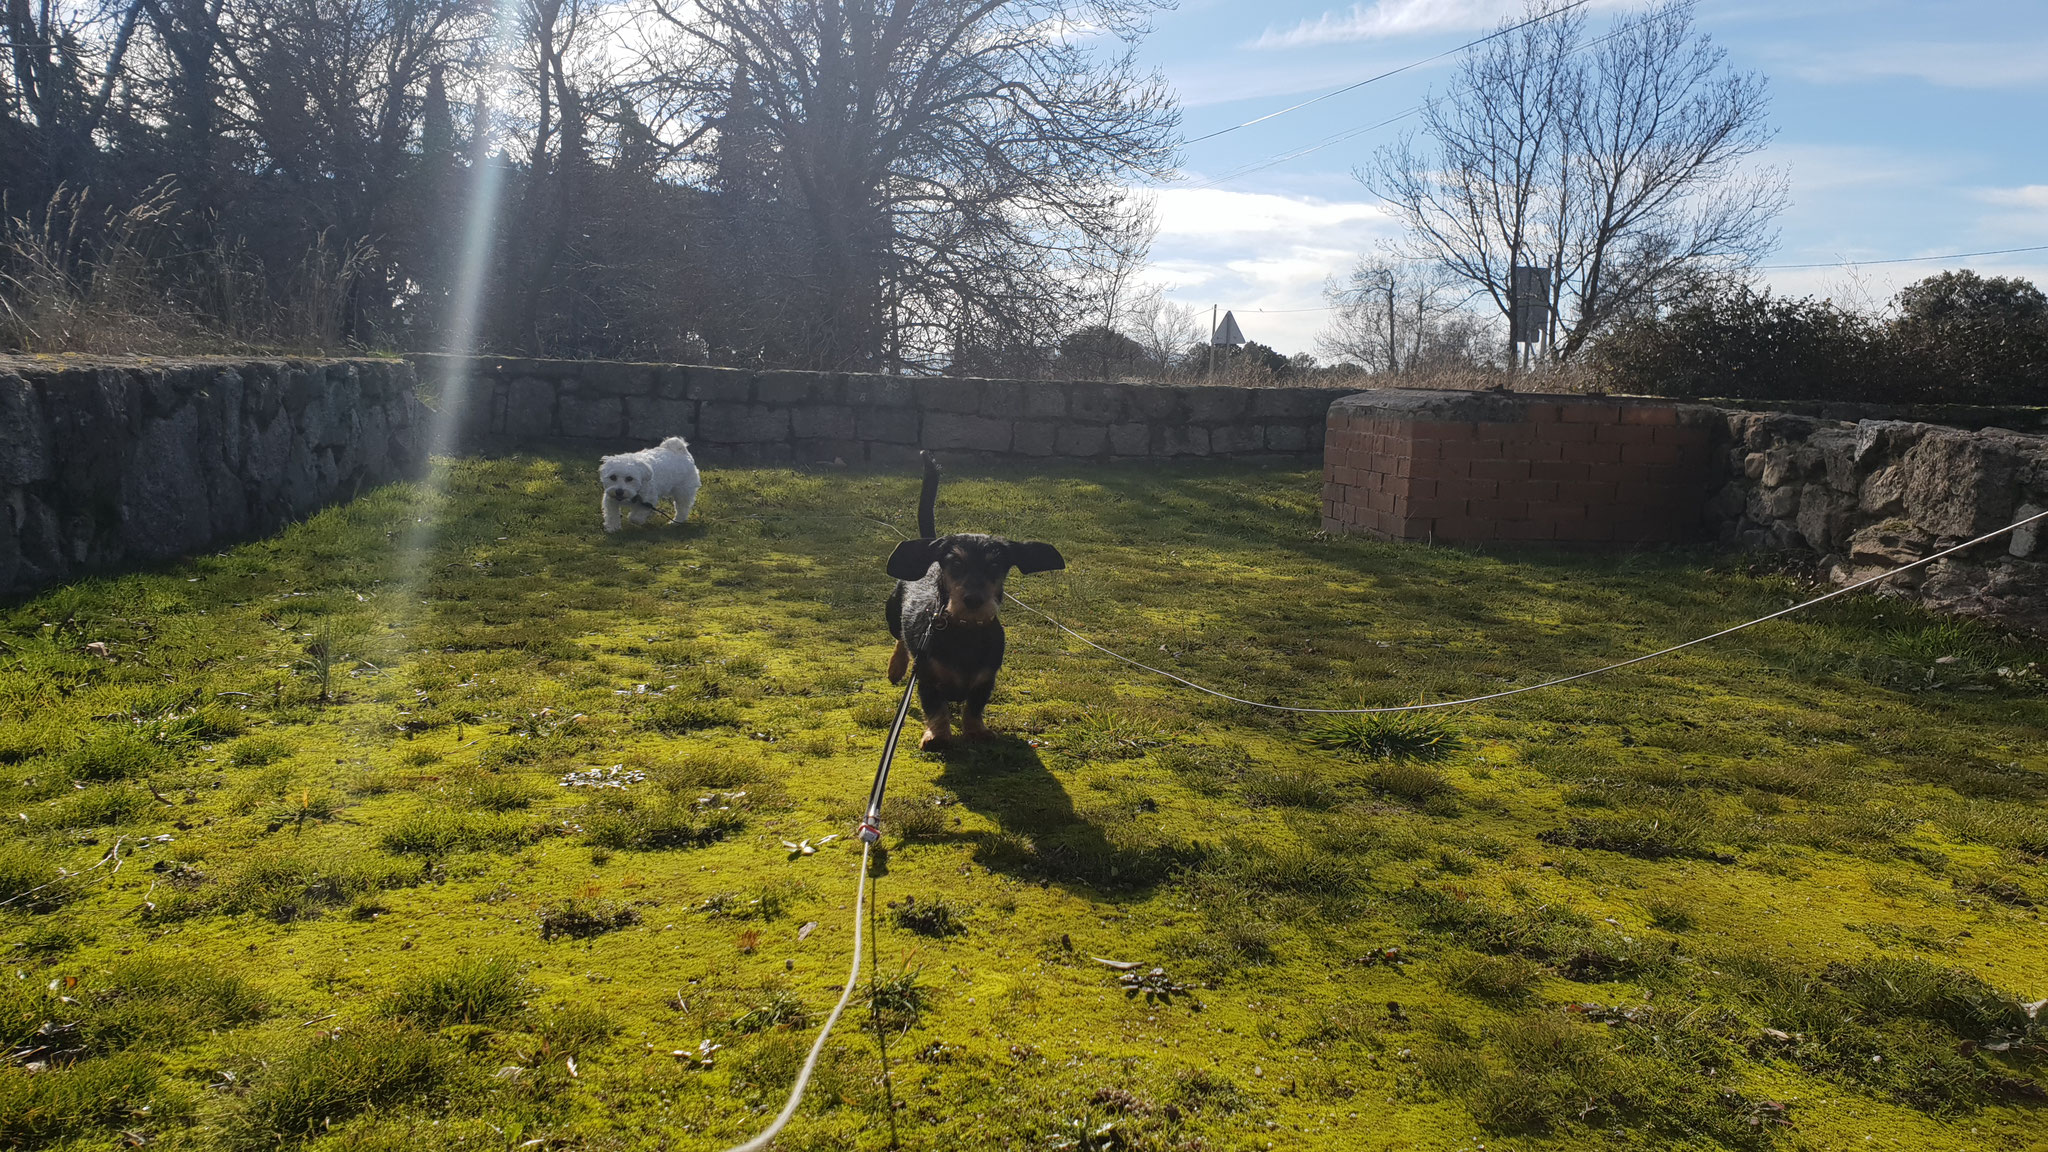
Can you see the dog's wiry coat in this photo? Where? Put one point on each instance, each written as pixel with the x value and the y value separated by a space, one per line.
pixel 944 615
pixel 634 482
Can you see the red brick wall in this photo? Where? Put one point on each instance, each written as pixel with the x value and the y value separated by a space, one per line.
pixel 1466 467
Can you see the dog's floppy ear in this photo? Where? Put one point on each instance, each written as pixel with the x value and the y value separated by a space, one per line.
pixel 913 558
pixel 1036 556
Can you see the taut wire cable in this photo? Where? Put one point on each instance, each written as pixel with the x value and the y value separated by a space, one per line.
pixel 1843 591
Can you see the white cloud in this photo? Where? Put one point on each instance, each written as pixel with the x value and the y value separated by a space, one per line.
pixel 1390 19
pixel 1952 65
pixel 1386 19
pixel 1261 255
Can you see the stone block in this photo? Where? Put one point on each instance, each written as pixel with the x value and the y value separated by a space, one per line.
pixel 1288 438
pixel 1081 440
pixel 592 417
pixel 796 387
pixel 1215 405
pixel 607 378
pixel 672 383
pixel 1003 399
pixel 729 384
pixel 867 389
pixel 887 425
pixel 1236 439
pixel 827 421
pixel 656 418
pixel 726 423
pixel 949 430
pixel 1130 439
pixel 24 435
pixel 1034 438
pixel 1094 403
pixel 1184 440
pixel 1292 403
pixel 1045 400
pixel 1153 403
pixel 957 396
pixel 529 407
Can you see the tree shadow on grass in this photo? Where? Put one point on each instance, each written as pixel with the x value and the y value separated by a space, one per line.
pixel 1038 834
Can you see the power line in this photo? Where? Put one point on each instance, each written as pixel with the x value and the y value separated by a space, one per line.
pixel 1350 133
pixel 1391 72
pixel 1904 259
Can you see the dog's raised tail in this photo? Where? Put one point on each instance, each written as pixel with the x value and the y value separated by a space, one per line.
pixel 676 444
pixel 928 498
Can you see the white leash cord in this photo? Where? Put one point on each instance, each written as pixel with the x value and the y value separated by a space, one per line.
pixel 1844 591
pixel 803 1078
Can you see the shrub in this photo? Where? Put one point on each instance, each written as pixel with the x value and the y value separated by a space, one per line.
pixel 334 1078
pixel 1742 343
pixel 474 991
pixel 1971 339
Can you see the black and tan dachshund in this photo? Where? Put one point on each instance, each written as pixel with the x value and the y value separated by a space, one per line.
pixel 943 614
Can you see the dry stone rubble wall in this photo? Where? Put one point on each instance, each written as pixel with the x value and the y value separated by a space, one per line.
pixel 103 466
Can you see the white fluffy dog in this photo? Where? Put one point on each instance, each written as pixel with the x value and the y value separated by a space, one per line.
pixel 634 482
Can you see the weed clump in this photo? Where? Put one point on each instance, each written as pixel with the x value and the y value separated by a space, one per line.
pixel 474 991
pixel 124 753
pixel 434 833
pixel 1503 979
pixel 338 1076
pixel 627 821
pixel 1410 781
pixel 1644 837
pixel 678 715
pixel 781 1009
pixel 1394 736
pixel 258 752
pixel 919 817
pixel 288 886
pixel 934 916
pixel 77 1100
pixel 580 920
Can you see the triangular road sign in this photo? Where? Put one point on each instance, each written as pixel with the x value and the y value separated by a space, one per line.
pixel 1227 332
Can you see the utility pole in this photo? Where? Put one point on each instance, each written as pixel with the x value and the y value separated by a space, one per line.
pixel 1212 340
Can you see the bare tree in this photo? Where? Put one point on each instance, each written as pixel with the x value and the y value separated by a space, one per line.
pixel 1396 315
pixel 1617 163
pixel 942 162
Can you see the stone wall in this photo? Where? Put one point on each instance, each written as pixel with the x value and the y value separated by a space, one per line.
pixel 737 416
pixel 1469 467
pixel 1869 496
pixel 108 465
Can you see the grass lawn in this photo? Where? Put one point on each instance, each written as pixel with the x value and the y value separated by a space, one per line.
pixel 1779 891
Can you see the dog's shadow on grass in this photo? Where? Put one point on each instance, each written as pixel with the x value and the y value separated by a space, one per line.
pixel 1038 834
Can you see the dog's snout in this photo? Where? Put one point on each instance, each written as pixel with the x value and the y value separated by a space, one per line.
pixel 973 602
pixel 618 493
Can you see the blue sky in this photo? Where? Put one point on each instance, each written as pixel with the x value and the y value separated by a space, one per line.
pixel 1906 129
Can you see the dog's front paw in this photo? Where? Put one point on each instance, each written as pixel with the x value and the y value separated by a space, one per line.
pixel 975 730
pixel 932 741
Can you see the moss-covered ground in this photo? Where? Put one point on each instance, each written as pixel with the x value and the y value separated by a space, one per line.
pixel 1779 891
